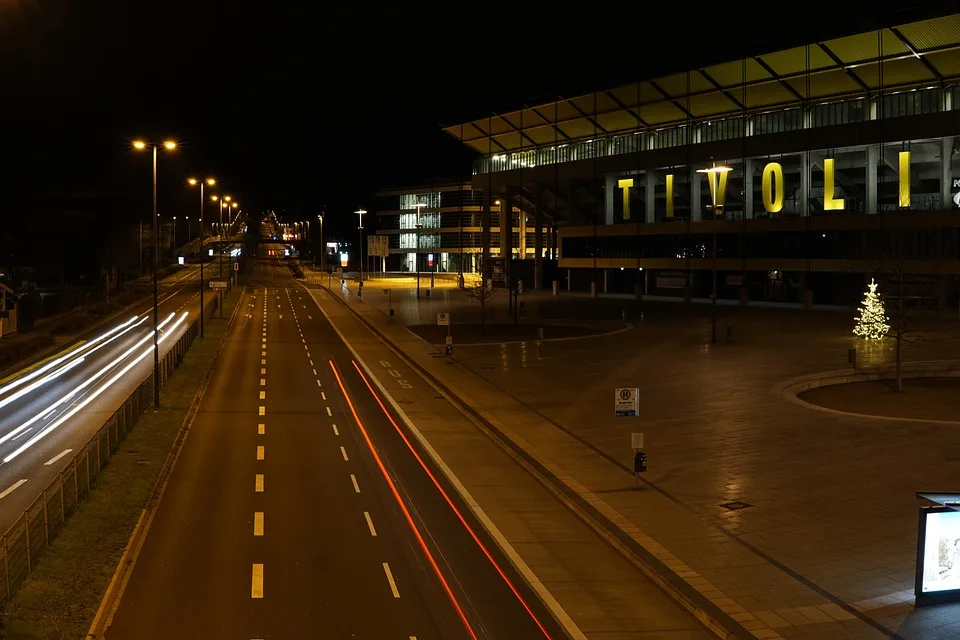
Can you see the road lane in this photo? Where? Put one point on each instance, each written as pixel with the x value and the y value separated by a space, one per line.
pixel 73 433
pixel 293 511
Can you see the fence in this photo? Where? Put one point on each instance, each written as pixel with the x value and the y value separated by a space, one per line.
pixel 28 537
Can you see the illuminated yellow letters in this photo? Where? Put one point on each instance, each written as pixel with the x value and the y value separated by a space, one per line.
pixel 669 195
pixel 625 184
pixel 905 179
pixel 718 189
pixel 772 193
pixel 829 202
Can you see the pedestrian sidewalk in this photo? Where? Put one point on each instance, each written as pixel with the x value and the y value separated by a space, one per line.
pixel 590 588
pixel 815 561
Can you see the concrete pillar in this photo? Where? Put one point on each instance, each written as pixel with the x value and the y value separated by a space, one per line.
pixel 556 288
pixel 609 193
pixel 593 288
pixel 873 155
pixel 805 183
pixel 748 189
pixel 946 174
pixel 522 238
pixel 696 211
pixel 485 236
pixel 538 241
pixel 506 234
pixel 649 196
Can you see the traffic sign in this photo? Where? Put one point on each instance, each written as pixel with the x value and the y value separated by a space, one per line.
pixel 218 284
pixel 627 402
pixel 443 319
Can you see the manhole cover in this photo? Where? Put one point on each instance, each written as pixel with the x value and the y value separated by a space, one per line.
pixel 735 506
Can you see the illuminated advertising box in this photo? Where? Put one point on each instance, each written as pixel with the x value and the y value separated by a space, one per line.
pixel 938 556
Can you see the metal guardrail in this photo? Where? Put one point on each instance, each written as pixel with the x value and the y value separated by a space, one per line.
pixel 27 539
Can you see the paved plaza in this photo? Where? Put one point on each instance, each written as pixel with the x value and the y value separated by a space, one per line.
pixel 797 523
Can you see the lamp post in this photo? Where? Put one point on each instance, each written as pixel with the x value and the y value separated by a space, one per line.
pixel 717 175
pixel 194 182
pixel 360 213
pixel 416 257
pixel 169 145
pixel 323 248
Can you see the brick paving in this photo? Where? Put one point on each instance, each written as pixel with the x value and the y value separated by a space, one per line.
pixel 827 545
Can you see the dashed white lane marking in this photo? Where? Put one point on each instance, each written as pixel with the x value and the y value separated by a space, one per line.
pixel 329 413
pixel 356 487
pixel 261 429
pixel 393 585
pixel 256 588
pixel 22 433
pixel 373 530
pixel 263 361
pixel 309 317
pixel 304 346
pixel 12 488
pixel 314 372
pixel 260 452
pixel 318 384
pixel 311 363
pixel 324 395
pixel 308 354
pixel 263 411
pixel 336 431
pixel 258 523
pixel 263 395
pixel 263 382
pixel 343 452
pixel 263 371
pixel 263 353
pixel 57 457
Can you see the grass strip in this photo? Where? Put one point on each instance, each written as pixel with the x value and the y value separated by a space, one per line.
pixel 61 597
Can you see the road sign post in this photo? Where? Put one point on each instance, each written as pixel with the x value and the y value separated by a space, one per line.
pixel 627 402
pixel 443 320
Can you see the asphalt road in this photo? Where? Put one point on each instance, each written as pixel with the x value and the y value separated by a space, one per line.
pixel 50 412
pixel 297 509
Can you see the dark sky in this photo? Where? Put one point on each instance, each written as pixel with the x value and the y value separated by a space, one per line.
pixel 320 106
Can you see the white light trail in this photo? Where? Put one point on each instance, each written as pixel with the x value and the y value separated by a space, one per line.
pixel 53 363
pixel 86 383
pixel 90 398
pixel 70 365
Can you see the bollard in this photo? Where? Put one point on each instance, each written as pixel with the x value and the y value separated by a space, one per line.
pixel 428 293
pixel 556 287
pixel 623 315
pixel 852 357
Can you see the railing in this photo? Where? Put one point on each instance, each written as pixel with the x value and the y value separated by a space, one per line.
pixel 26 540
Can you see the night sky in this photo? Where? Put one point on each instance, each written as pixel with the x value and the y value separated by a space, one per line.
pixel 318 108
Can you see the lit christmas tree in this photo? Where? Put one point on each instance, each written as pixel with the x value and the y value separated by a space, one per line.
pixel 872 323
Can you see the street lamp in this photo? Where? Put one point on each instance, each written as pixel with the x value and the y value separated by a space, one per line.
pixel 416 257
pixel 194 182
pixel 360 213
pixel 323 248
pixel 717 175
pixel 169 145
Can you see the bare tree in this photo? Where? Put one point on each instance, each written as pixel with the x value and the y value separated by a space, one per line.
pixel 903 327
pixel 481 291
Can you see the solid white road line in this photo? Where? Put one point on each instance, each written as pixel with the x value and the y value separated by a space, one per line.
pixel 263 411
pixel 343 452
pixel 336 431
pixel 356 487
pixel 57 457
pixel 260 452
pixel 12 488
pixel 373 530
pixel 256 589
pixel 261 428
pixel 258 523
pixel 329 413
pixel 393 585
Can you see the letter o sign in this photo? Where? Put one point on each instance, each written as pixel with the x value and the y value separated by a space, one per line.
pixel 773 187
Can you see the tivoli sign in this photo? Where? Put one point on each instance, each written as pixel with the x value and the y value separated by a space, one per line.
pixel 771 187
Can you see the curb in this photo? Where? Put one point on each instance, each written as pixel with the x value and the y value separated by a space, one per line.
pixel 112 596
pixel 707 613
pixel 791 389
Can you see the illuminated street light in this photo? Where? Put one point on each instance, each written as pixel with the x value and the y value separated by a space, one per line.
pixel 717 176
pixel 193 182
pixel 169 145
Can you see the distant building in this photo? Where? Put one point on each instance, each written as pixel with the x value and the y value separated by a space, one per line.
pixel 449 229
pixel 791 173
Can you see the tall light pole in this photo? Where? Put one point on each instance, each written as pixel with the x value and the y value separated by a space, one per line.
pixel 323 248
pixel 717 175
pixel 169 145
pixel 416 257
pixel 194 182
pixel 360 213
